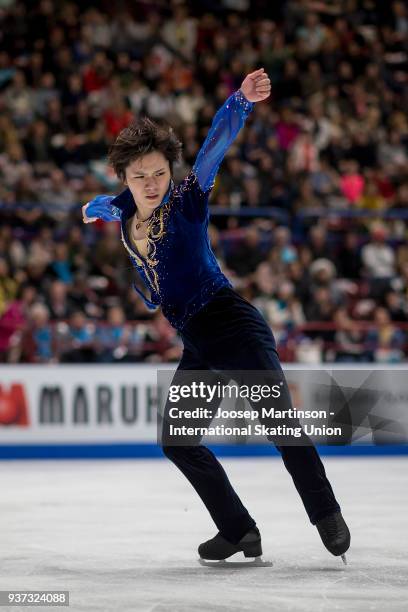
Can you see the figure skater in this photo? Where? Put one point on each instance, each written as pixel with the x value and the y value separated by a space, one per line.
pixel 164 230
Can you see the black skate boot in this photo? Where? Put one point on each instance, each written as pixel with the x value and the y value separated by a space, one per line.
pixel 219 549
pixel 335 534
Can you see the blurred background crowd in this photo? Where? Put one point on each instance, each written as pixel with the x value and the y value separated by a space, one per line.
pixel 310 206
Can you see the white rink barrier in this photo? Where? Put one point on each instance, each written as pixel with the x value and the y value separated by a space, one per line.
pixel 78 403
pixel 60 411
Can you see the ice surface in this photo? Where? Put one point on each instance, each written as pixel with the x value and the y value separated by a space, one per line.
pixel 122 535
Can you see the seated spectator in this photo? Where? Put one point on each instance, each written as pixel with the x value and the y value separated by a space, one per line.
pixel 308 202
pixel 247 255
pixel 378 260
pixel 60 266
pixel 311 35
pixel 84 296
pixel 299 275
pixel 137 334
pixel 287 129
pixel 350 340
pixel 318 242
pixel 77 340
pixel 8 286
pixel 321 309
pixel 371 199
pixel 12 321
pixel 324 181
pixel 386 341
pixel 397 306
pixel 392 154
pixel 19 100
pixel 303 154
pixel 13 165
pixel 57 193
pixel 37 343
pixel 282 243
pixel 263 281
pixel 112 339
pixel 252 193
pixel 165 343
pixel 38 147
pixel 59 304
pixel 180 32
pixel 284 312
pixel 398 203
pixel 160 104
pixel 351 181
pixel 349 257
pixel 117 117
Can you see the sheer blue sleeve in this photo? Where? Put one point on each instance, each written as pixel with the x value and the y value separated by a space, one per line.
pixel 102 208
pixel 225 126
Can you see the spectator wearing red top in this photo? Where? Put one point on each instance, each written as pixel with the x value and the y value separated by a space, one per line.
pixel 117 117
pixel 97 74
pixel 351 181
pixel 287 129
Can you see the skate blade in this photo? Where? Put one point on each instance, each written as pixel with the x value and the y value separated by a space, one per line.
pixel 256 562
pixel 344 559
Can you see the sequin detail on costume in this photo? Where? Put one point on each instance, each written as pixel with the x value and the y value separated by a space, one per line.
pixel 180 268
pixel 115 211
pixel 155 231
pixel 148 264
pixel 246 105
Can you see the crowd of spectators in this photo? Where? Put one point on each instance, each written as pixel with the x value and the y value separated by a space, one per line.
pixel 313 194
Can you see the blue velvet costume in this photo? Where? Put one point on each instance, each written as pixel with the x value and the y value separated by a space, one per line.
pixel 181 270
pixel 220 329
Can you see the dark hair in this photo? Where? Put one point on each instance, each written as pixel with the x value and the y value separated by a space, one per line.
pixel 140 138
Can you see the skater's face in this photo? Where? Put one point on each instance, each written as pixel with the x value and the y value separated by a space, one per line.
pixel 148 179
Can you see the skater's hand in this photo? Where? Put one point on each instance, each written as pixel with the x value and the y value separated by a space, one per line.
pixel 256 86
pixel 86 219
pixel 101 207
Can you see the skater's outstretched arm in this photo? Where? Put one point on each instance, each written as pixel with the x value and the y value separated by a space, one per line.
pixel 100 208
pixel 226 124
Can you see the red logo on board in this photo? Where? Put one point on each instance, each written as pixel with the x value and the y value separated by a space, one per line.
pixel 13 406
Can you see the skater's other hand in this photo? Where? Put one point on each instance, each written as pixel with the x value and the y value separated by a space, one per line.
pixel 86 219
pixel 256 86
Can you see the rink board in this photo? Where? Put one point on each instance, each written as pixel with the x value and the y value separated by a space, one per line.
pixel 105 411
pixel 149 451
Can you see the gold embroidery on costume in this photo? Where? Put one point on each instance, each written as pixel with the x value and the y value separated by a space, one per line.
pixel 159 217
pixel 155 230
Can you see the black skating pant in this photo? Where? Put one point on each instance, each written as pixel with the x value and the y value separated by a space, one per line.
pixel 229 333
